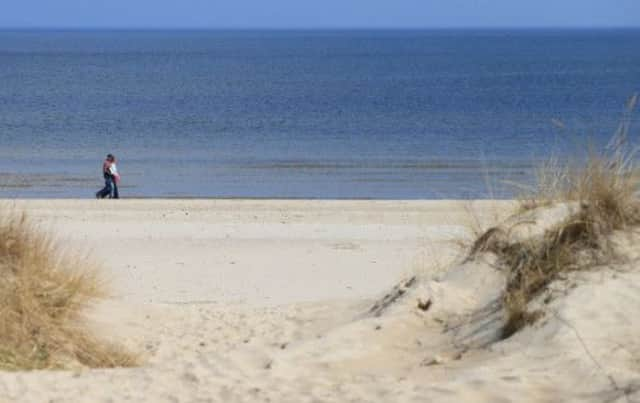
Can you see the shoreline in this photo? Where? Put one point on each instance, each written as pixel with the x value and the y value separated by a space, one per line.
pixel 259 199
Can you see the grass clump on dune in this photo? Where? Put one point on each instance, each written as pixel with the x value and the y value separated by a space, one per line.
pixel 604 192
pixel 43 293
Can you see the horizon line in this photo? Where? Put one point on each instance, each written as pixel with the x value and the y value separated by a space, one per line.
pixel 319 28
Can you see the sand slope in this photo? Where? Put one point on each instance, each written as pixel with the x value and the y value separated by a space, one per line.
pixel 294 301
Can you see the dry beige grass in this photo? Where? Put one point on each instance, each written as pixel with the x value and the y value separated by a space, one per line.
pixel 605 190
pixel 43 293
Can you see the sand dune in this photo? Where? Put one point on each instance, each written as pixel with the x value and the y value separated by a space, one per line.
pixel 294 301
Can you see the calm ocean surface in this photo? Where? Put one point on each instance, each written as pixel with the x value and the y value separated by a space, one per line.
pixel 360 114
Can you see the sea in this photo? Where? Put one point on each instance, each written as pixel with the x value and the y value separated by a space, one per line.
pixel 407 114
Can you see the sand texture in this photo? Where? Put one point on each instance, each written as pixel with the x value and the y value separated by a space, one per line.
pixel 332 301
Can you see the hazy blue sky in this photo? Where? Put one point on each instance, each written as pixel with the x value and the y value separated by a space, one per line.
pixel 318 13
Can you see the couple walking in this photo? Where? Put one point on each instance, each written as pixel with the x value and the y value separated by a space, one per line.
pixel 111 179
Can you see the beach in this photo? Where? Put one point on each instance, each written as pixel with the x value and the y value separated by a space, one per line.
pixel 353 203
pixel 289 301
pixel 208 290
pixel 254 252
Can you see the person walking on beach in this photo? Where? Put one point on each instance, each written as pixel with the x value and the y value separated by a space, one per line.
pixel 113 169
pixel 111 179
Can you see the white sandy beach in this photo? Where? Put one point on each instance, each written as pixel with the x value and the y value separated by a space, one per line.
pixel 270 301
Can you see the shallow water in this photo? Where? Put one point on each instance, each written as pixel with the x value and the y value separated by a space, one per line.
pixel 367 114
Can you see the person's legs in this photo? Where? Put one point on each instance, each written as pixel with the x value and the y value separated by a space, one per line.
pixel 106 190
pixel 108 185
pixel 115 191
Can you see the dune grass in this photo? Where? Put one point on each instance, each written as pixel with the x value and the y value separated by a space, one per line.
pixel 604 190
pixel 43 293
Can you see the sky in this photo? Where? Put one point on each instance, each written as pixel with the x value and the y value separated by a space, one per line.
pixel 309 14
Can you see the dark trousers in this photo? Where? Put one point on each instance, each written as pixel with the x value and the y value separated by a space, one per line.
pixel 115 194
pixel 107 189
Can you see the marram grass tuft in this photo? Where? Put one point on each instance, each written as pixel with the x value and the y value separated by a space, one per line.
pixel 43 293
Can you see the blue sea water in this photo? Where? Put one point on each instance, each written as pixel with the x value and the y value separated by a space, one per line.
pixel 311 114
